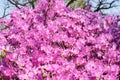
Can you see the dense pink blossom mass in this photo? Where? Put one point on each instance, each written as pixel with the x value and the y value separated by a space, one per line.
pixel 54 42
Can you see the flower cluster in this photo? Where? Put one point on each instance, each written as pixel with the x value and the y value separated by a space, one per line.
pixel 54 42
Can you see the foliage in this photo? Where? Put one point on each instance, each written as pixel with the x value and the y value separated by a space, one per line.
pixel 77 3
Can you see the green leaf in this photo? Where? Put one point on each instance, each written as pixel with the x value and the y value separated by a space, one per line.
pixel 44 75
pixel 2 27
pixel 3 54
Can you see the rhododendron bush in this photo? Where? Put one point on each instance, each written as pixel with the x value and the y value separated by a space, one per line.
pixel 54 42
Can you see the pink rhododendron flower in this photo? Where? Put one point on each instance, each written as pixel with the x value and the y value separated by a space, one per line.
pixel 54 42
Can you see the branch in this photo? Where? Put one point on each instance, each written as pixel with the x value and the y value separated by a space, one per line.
pixel 101 3
pixel 18 4
pixel 4 13
pixel 13 3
